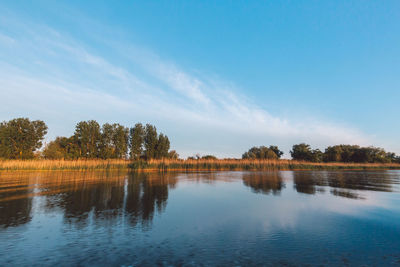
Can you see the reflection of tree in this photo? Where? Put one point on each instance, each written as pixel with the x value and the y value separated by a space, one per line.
pixel 306 182
pixel 372 181
pixel 147 192
pixel 15 201
pixel 264 182
pixel 83 196
pixel 80 193
pixel 15 211
pixel 105 197
pixel 345 193
pixel 135 196
pixel 343 184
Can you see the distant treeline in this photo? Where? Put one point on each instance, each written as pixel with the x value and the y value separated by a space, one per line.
pixel 338 153
pixel 20 139
pixel 344 153
pixel 263 152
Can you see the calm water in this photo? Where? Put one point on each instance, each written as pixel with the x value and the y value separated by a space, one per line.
pixel 219 218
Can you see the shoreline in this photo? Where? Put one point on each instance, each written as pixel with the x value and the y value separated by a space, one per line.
pixel 187 165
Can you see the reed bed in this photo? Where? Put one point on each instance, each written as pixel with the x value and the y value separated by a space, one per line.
pixel 186 165
pixel 81 164
pixel 247 164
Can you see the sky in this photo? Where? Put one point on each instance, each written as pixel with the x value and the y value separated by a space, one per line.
pixel 217 77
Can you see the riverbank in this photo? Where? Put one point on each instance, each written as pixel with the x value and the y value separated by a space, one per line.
pixel 81 164
pixel 187 165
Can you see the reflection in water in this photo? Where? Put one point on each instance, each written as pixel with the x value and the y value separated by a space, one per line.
pixel 135 197
pixel 343 184
pixel 146 193
pixel 81 195
pixel 308 182
pixel 264 182
pixel 208 218
pixel 15 211
pixel 345 193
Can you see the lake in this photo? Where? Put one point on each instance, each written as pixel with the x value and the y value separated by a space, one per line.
pixel 116 218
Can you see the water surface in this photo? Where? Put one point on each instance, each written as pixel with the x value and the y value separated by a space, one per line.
pixel 200 219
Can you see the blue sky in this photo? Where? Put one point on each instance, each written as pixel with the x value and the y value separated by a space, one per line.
pixel 216 76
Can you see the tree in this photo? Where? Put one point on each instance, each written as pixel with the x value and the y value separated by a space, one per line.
pixel 53 150
pixel 348 152
pixel 209 157
pixel 88 137
pixel 162 147
pixel 369 154
pixel 333 154
pixel 353 153
pixel 120 140
pixel 20 138
pixel 150 141
pixel 278 152
pixel 114 141
pixel 262 152
pixel 379 155
pixel 62 148
pixel 173 155
pixel 391 157
pixel 136 140
pixel 301 152
pixel 107 149
pixel 316 155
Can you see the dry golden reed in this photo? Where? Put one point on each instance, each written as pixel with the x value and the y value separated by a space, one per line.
pixel 79 164
pixel 253 164
pixel 185 165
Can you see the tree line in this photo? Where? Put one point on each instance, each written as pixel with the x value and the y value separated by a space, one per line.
pixel 21 138
pixel 337 153
pixel 344 153
pixel 263 152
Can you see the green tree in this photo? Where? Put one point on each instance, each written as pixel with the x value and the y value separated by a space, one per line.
pixel 162 147
pixel 316 155
pixel 209 157
pixel 62 148
pixel 301 152
pixel 348 151
pixel 54 150
pixel 120 140
pixel 262 152
pixel 150 141
pixel 107 149
pixel 278 152
pixel 369 155
pixel 136 140
pixel 173 154
pixel 20 138
pixel 391 157
pixel 354 153
pixel 333 154
pixel 379 155
pixel 88 137
pixel 114 141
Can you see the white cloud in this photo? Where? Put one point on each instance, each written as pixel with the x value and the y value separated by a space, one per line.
pixel 7 40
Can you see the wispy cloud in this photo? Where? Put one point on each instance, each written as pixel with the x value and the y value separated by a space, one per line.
pixel 4 39
pixel 57 76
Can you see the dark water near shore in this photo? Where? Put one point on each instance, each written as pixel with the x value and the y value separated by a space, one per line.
pixel 200 219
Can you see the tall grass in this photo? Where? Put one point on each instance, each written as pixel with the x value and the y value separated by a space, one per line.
pixel 247 164
pixel 81 164
pixel 185 165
